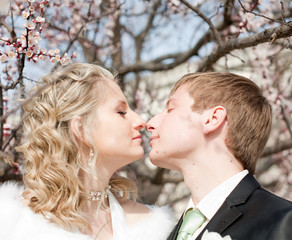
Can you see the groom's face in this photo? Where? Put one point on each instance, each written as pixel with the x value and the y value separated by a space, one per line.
pixel 176 132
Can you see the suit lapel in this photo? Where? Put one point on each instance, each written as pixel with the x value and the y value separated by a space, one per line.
pixel 228 212
pixel 225 216
pixel 174 233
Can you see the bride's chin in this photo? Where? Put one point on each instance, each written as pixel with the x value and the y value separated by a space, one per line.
pixel 137 156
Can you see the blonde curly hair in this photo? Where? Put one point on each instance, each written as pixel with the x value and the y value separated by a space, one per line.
pixel 53 159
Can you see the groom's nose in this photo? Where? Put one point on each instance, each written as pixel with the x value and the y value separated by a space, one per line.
pixel 153 123
pixel 149 128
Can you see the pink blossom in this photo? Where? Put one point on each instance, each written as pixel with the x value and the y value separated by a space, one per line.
pixel 16 167
pixel 64 60
pixel 6 129
pixel 3 58
pixel 5 98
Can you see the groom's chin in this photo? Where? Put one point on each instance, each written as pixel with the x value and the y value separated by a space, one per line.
pixel 158 160
pixel 155 158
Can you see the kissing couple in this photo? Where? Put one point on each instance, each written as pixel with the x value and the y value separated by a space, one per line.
pixel 79 130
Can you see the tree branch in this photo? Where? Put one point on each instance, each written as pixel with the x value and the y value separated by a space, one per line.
pixel 268 35
pixel 207 20
pixel 144 33
pixel 179 58
pixel 277 148
pixel 15 109
pixel 258 15
pixel 12 135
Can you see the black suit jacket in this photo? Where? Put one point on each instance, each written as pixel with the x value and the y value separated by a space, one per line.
pixel 250 213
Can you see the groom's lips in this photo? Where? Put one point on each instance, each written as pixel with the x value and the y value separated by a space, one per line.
pixel 153 138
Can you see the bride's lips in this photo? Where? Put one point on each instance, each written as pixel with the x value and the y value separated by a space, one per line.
pixel 137 137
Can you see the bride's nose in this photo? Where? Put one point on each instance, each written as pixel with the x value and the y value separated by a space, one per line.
pixel 138 123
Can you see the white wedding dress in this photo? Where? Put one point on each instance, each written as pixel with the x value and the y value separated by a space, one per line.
pixel 19 222
pixel 119 224
pixel 156 227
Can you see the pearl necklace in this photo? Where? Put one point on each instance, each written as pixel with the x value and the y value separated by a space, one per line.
pixel 96 196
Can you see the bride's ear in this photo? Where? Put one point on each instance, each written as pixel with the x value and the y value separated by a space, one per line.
pixel 77 129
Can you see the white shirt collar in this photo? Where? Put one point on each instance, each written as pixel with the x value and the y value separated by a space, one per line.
pixel 211 203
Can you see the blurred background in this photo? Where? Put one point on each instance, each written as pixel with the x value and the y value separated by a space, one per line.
pixel 150 45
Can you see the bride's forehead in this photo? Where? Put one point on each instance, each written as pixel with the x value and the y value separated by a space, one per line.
pixel 113 91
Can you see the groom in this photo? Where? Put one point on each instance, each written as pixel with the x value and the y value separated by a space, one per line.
pixel 213 130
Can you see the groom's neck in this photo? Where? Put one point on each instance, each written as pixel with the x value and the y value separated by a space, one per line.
pixel 206 175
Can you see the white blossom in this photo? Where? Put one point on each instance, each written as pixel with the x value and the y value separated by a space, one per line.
pixel 40 19
pixel 35 58
pixel 51 52
pixel 25 14
pixel 30 25
pixel 11 55
pixel 44 50
pixel 42 57
pixel 31 9
pixel 57 57
pixel 29 53
pixel 175 2
pixel 31 42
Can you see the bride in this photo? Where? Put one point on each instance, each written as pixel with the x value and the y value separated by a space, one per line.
pixel 79 132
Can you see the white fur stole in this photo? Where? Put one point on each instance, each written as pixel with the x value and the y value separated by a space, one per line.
pixel 19 222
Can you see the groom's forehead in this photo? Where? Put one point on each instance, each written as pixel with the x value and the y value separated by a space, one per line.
pixel 178 97
pixel 175 98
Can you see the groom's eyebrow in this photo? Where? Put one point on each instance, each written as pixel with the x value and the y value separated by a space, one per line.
pixel 168 102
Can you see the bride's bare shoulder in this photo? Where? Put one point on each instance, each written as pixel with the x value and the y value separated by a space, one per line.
pixel 135 211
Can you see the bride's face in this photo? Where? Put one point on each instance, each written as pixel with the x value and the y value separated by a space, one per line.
pixel 116 130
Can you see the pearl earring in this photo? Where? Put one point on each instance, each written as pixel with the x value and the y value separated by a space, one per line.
pixel 91 158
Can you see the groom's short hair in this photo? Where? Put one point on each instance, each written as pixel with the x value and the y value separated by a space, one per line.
pixel 249 114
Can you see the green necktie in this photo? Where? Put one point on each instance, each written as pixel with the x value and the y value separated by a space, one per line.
pixel 192 221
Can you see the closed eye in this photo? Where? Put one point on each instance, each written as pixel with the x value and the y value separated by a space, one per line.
pixel 170 110
pixel 122 113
